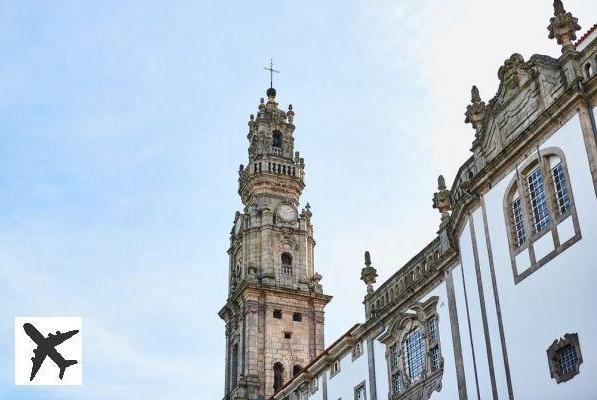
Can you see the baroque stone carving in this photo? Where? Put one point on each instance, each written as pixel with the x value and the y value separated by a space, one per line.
pixel 562 27
pixel 369 273
pixel 475 112
pixel 397 330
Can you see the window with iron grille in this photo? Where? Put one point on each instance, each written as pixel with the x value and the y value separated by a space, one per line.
pixel 397 384
pixel 561 188
pixel 567 359
pixel 414 353
pixel 436 359
pixel 359 392
pixel 519 233
pixel 394 356
pixel 432 330
pixel 538 200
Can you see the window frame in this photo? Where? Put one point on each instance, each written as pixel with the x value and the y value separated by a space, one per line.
pixel 357 350
pixel 411 361
pixel 398 330
pixel 518 185
pixel 361 386
pixel 554 357
pixel 335 368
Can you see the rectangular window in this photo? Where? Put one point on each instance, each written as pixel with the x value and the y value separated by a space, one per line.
pixel 335 367
pixel 567 356
pixel 432 329
pixel 278 314
pixel 436 359
pixel 561 188
pixel 414 351
pixel 538 200
pixel 297 317
pixel 359 392
pixel 287 335
pixel 397 384
pixel 394 356
pixel 519 233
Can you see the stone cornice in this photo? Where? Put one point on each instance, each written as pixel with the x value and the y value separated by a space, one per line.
pixel 255 289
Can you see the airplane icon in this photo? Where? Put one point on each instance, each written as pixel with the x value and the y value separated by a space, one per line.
pixel 46 347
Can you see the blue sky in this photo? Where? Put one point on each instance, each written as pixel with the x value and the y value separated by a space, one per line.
pixel 122 125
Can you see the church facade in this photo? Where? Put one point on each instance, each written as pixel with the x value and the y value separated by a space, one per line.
pixel 498 306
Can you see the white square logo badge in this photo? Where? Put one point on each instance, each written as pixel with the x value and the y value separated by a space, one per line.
pixel 48 351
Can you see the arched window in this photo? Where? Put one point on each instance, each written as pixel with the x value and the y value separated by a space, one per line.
pixel 296 370
pixel 277 139
pixel 588 70
pixel 539 206
pixel 413 350
pixel 278 376
pixel 414 355
pixel 286 259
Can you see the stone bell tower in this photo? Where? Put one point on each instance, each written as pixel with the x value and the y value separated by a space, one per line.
pixel 274 313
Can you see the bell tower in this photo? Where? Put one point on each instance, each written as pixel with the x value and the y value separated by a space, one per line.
pixel 274 312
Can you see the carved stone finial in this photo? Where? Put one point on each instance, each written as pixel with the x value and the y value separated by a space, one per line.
pixel 308 212
pixel 441 182
pixel 558 7
pixel 369 273
pixel 475 94
pixel 290 114
pixel 442 200
pixel 317 277
pixel 241 168
pixel 251 117
pixel 563 26
pixel 475 112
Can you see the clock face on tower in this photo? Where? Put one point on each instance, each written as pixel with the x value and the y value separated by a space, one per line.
pixel 287 213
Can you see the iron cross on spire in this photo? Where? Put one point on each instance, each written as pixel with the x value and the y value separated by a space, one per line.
pixel 271 72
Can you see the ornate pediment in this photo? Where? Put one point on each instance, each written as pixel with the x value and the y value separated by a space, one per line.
pixel 513 75
pixel 526 88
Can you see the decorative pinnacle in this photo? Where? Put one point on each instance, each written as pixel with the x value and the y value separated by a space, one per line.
pixel 563 26
pixel 308 212
pixel 441 182
pixel 558 7
pixel 442 200
pixel 475 94
pixel 475 112
pixel 369 273
pixel 290 114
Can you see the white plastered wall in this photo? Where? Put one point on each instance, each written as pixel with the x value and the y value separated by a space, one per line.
pixel 558 298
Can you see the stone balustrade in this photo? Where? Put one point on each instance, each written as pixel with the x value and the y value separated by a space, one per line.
pixel 273 167
pixel 415 271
